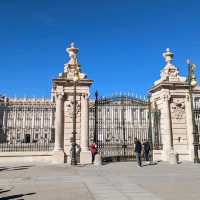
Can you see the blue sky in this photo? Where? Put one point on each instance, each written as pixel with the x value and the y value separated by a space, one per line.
pixel 121 42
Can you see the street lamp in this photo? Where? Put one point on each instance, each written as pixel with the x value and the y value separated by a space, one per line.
pixel 73 158
pixel 192 82
pixel 74 72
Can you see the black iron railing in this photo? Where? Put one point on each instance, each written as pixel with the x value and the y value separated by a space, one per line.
pixel 27 127
pixel 24 139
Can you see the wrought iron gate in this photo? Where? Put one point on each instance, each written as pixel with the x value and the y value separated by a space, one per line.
pixel 115 122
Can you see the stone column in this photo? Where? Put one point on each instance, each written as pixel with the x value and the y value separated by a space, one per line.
pixel 85 155
pixel 189 123
pixel 168 150
pixel 84 123
pixel 59 131
pixel 166 129
pixel 59 124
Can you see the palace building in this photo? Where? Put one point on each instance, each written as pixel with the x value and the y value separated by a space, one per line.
pixel 27 121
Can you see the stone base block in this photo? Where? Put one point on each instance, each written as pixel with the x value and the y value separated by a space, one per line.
pixel 157 155
pixel 98 160
pixel 165 155
pixel 192 154
pixel 25 157
pixel 173 158
pixel 58 157
pixel 85 157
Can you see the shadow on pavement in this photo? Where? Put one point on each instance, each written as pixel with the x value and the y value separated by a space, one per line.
pixel 110 160
pixel 16 168
pixel 149 164
pixel 16 196
pixel 3 191
pixel 83 165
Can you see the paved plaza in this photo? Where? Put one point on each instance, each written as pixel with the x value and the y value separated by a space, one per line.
pixel 113 181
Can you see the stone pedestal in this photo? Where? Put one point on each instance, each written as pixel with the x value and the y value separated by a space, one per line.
pixel 98 160
pixel 85 157
pixel 58 157
pixel 172 157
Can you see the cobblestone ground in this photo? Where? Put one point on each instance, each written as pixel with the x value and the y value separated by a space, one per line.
pixel 113 181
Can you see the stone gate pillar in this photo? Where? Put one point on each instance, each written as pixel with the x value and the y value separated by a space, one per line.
pixel 85 156
pixel 166 131
pixel 63 94
pixel 59 132
pixel 188 111
pixel 59 124
pixel 171 96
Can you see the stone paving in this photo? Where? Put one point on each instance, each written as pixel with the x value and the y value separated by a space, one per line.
pixel 113 181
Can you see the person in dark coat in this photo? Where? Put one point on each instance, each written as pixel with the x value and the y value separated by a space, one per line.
pixel 146 150
pixel 93 149
pixel 138 149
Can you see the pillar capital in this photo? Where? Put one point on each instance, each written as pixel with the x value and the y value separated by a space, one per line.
pixel 187 97
pixel 59 95
pixel 166 97
pixel 85 95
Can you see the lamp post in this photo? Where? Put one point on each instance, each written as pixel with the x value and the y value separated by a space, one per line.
pixel 73 158
pixel 192 82
pixel 74 72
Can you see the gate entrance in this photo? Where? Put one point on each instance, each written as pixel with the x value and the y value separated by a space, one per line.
pixel 116 121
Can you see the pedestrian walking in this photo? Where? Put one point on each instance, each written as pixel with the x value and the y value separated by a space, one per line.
pixel 138 149
pixel 146 150
pixel 93 149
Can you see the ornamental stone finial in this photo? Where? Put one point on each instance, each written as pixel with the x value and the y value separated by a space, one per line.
pixel 72 51
pixel 72 68
pixel 170 72
pixel 168 56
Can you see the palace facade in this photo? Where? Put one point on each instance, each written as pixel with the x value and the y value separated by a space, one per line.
pixel 27 121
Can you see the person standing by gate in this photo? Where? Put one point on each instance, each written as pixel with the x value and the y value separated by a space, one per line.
pixel 138 149
pixel 93 149
pixel 146 150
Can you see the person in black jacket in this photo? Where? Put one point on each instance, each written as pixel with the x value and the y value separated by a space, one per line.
pixel 146 150
pixel 138 149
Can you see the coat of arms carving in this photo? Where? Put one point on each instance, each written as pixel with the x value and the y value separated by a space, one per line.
pixel 178 108
pixel 69 107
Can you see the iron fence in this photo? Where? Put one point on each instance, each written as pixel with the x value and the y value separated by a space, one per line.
pixel 27 127
pixel 115 122
pixel 196 114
